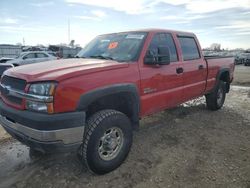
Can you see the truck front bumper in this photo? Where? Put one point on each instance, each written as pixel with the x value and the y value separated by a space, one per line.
pixel 44 132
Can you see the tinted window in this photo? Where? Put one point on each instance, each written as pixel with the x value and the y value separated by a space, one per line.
pixel 29 56
pixel 189 48
pixel 163 39
pixel 41 55
pixel 52 53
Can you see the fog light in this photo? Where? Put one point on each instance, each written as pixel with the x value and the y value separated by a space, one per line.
pixel 39 106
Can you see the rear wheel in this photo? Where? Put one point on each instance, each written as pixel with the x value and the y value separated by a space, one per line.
pixel 216 99
pixel 107 141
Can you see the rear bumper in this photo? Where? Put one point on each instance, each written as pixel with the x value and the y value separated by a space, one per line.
pixel 43 132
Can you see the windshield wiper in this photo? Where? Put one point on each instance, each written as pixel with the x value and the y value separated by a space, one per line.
pixel 77 56
pixel 101 57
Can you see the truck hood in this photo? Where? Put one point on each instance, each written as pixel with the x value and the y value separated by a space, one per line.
pixel 62 69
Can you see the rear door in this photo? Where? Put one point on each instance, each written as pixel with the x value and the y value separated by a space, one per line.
pixel 161 86
pixel 194 68
pixel 40 57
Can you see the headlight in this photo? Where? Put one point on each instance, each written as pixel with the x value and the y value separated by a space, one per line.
pixel 44 89
pixel 41 89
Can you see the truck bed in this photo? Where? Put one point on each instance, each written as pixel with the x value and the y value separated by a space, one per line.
pixel 216 57
pixel 214 65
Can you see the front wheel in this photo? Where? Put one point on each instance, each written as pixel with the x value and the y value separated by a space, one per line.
pixel 107 141
pixel 216 99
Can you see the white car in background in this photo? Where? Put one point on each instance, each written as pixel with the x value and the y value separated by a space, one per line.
pixel 5 59
pixel 31 57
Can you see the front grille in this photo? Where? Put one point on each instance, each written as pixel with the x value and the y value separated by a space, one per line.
pixel 14 83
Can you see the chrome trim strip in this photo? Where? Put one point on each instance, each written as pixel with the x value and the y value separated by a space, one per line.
pixel 67 136
pixel 20 94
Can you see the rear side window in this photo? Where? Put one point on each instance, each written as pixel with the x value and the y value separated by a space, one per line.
pixel 164 39
pixel 41 55
pixel 30 56
pixel 189 48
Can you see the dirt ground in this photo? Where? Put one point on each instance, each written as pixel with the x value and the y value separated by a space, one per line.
pixel 188 146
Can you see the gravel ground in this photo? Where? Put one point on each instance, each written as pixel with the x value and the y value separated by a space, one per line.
pixel 188 146
pixel 242 75
pixel 3 134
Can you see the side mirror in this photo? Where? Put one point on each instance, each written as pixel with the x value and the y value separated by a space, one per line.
pixel 25 57
pixel 150 59
pixel 161 58
pixel 163 55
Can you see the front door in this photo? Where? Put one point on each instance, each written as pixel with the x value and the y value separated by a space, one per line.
pixel 161 85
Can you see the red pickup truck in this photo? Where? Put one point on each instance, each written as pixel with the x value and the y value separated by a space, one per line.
pixel 94 102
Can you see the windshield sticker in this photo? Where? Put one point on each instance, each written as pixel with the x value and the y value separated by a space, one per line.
pixel 113 45
pixel 134 36
pixel 105 40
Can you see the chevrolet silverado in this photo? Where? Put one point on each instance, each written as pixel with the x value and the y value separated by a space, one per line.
pixel 92 104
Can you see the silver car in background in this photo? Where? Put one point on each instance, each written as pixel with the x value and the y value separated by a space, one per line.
pixel 31 57
pixel 26 58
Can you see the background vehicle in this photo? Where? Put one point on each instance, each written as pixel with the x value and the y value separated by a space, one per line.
pixel 5 59
pixel 4 67
pixel 32 57
pixel 238 60
pixel 96 101
pixel 53 54
pixel 246 59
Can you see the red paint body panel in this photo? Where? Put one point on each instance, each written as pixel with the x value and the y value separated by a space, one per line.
pixel 214 65
pixel 69 91
pixel 159 86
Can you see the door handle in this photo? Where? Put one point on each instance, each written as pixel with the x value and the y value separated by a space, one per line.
pixel 179 70
pixel 201 67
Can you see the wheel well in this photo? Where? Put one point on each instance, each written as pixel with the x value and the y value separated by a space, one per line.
pixel 226 78
pixel 123 102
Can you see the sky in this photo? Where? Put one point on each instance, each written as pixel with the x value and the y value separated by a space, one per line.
pixel 46 22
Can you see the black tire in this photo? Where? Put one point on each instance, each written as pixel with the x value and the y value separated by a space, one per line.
pixel 95 141
pixel 216 99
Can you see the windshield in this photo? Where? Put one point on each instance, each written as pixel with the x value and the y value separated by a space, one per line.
pixel 21 55
pixel 119 46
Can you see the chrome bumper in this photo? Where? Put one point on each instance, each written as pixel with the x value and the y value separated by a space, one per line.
pixel 66 136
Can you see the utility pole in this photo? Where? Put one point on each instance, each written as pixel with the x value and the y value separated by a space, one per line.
pixel 68 31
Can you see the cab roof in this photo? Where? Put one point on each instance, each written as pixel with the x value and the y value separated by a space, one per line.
pixel 154 30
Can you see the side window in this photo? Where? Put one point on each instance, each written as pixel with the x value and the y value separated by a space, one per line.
pixel 164 39
pixel 189 48
pixel 154 45
pixel 41 55
pixel 29 56
pixel 169 41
